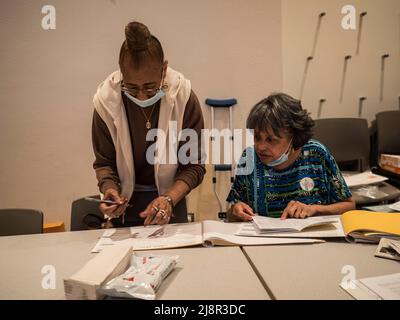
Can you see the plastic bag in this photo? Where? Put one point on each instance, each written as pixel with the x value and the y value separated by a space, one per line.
pixel 372 192
pixel 143 277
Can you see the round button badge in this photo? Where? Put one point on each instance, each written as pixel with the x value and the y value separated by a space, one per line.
pixel 307 184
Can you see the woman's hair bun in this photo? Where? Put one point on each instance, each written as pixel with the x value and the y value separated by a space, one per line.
pixel 140 45
pixel 137 36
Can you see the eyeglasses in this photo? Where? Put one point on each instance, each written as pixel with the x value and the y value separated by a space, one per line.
pixel 150 92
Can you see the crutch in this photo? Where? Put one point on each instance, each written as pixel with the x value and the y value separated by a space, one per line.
pixel 226 103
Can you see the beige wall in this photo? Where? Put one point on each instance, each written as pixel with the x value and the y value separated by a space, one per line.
pixel 380 35
pixel 226 47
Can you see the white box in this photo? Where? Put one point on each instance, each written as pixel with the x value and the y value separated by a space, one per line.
pixel 107 264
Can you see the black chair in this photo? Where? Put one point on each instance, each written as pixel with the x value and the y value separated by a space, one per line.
pixel 386 138
pixel 388 132
pixel 86 215
pixel 348 139
pixel 20 221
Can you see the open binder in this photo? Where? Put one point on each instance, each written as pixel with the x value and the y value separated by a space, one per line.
pixel 206 233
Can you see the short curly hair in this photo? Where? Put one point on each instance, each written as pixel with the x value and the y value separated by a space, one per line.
pixel 282 112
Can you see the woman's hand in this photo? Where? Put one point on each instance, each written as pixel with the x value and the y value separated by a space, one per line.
pixel 242 212
pixel 159 211
pixel 296 209
pixel 113 211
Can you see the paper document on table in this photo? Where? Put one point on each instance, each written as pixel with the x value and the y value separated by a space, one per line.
pixel 375 288
pixel 152 237
pixel 331 230
pixel 363 178
pixel 388 249
pixel 208 233
pixel 273 225
pixel 395 206
pixel 220 233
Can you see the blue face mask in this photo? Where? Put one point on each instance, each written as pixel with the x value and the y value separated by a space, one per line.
pixel 149 102
pixel 282 159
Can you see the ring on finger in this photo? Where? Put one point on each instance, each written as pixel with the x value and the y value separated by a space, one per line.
pixel 163 213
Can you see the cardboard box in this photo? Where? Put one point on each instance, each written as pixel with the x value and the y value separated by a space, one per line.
pixel 106 265
pixel 57 226
pixel 390 160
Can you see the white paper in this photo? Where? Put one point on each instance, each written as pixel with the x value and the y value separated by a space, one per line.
pixel 359 291
pixel 363 178
pixel 395 245
pixel 217 230
pixel 386 287
pixel 153 237
pixel 208 232
pixel 389 249
pixel 332 230
pixel 395 206
pixel 267 224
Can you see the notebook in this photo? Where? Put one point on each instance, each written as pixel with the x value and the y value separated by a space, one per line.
pixel 331 230
pixel 274 225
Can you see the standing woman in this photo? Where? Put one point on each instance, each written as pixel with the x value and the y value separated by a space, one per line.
pixel 144 94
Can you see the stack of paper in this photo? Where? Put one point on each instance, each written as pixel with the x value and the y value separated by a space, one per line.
pixel 377 288
pixel 332 229
pixel 379 208
pixel 207 233
pixel 274 225
pixel 395 206
pixel 364 178
pixel 389 249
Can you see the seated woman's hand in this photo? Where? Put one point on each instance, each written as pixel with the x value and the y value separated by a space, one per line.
pixel 298 210
pixel 240 211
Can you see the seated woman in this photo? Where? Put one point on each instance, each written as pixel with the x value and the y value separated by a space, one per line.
pixel 293 176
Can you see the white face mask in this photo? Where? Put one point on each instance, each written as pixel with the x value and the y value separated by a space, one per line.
pixel 148 102
pixel 282 159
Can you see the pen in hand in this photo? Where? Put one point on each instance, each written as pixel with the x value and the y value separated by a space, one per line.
pixel 106 201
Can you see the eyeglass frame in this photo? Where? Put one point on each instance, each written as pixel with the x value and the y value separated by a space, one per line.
pixel 150 92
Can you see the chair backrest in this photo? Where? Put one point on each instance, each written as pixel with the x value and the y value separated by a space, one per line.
pixel 347 139
pixel 20 221
pixel 83 214
pixel 388 132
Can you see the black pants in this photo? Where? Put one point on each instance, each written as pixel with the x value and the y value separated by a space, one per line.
pixel 139 201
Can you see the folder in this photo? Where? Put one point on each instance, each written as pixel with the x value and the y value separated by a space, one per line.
pixel 370 227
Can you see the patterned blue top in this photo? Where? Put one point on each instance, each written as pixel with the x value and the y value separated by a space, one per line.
pixel 314 178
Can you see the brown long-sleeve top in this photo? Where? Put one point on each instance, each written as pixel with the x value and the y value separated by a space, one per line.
pixel 104 150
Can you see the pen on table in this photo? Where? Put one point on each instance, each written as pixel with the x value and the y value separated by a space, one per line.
pixel 105 201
